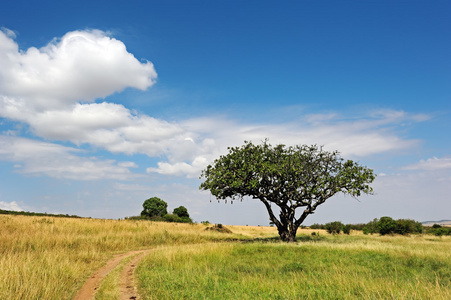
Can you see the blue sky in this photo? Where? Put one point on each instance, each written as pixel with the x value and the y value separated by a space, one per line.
pixel 103 105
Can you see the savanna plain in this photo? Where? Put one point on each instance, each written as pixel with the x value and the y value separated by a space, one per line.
pixel 51 258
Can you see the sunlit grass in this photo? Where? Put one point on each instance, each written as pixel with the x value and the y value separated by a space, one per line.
pixel 255 231
pixel 332 267
pixel 50 258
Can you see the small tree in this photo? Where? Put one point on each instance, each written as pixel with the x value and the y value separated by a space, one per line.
pixel 181 211
pixel 154 207
pixel 288 177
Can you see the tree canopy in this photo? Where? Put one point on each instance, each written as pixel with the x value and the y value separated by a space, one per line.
pixel 154 207
pixel 288 177
pixel 181 211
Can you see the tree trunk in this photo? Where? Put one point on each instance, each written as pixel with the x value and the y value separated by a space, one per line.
pixel 287 232
pixel 285 226
pixel 287 236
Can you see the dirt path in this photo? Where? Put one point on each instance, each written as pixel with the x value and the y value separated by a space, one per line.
pixel 127 287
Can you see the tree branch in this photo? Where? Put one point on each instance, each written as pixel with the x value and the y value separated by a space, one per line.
pixel 272 217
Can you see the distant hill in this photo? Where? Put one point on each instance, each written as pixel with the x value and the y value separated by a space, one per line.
pixel 441 222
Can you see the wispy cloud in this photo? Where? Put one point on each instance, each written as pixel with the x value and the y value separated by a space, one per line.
pixel 106 125
pixel 431 164
pixel 354 138
pixel 36 158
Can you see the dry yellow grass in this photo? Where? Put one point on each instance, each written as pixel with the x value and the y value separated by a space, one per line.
pixel 254 231
pixel 50 258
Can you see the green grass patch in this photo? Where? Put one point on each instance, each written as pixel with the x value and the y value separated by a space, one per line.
pixel 332 268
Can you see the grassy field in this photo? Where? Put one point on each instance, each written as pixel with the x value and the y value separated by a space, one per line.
pixel 328 267
pixel 50 258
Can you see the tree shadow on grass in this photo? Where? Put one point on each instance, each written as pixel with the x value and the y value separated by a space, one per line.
pixel 276 239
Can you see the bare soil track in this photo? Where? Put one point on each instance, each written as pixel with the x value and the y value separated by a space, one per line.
pixel 127 286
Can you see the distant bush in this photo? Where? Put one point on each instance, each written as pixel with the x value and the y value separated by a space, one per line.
pixel 406 226
pixel 359 226
pixel 334 227
pixel 317 226
pixel 346 229
pixel 438 230
pixel 383 226
pixel 177 219
pixel 386 225
pixel 370 227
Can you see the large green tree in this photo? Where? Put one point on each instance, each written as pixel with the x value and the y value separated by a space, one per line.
pixel 154 207
pixel 287 177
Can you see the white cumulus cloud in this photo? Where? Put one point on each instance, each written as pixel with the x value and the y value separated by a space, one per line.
pixel 48 88
pixel 81 66
pixel 191 170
